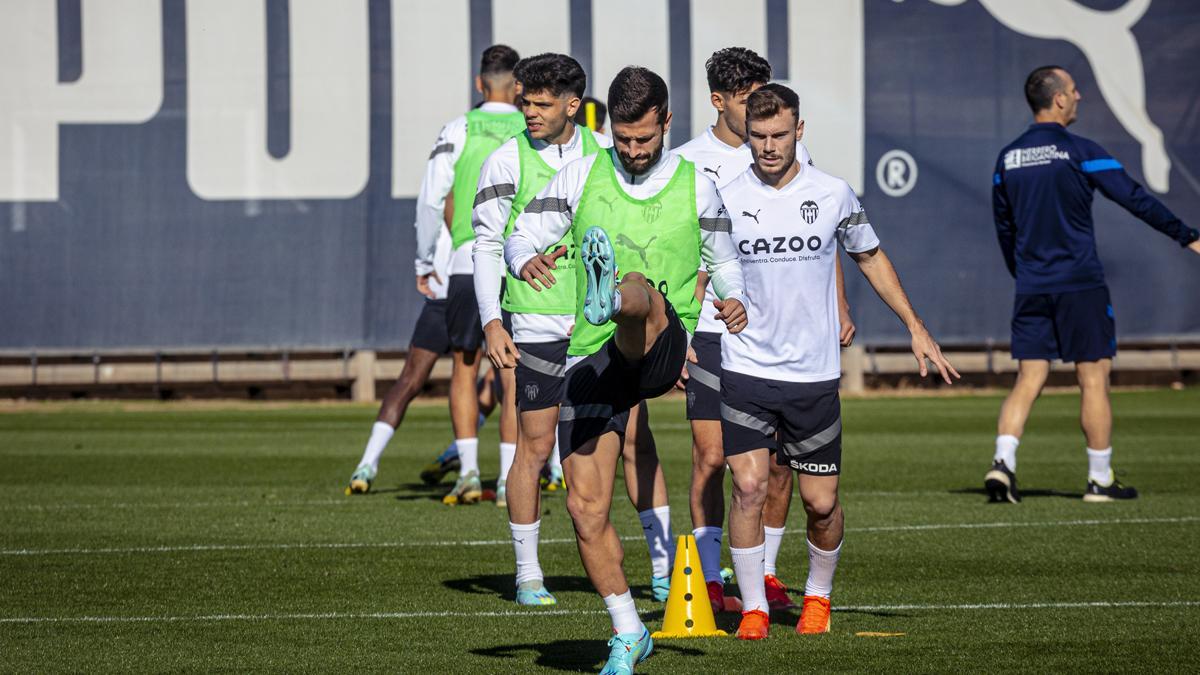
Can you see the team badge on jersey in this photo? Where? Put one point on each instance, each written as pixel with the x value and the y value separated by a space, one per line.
pixel 809 211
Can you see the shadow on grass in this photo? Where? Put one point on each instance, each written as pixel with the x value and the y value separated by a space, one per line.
pixel 567 655
pixel 502 585
pixel 1024 493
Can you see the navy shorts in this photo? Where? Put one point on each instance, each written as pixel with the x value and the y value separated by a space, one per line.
pixel 800 422
pixel 462 314
pixel 1075 326
pixel 704 378
pixel 540 374
pixel 601 388
pixel 430 331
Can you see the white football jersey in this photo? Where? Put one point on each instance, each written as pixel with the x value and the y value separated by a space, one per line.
pixel 787 242
pixel 721 163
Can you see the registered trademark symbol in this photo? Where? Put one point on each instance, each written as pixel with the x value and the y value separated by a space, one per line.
pixel 896 173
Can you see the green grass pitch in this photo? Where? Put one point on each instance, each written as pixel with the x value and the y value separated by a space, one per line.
pixel 199 538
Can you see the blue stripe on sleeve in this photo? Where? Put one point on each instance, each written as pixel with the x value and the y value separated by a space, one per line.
pixel 995 179
pixel 1094 165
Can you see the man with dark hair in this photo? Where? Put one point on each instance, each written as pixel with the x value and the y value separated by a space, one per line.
pixel 779 385
pixel 651 216
pixel 453 172
pixel 550 87
pixel 1042 194
pixel 592 113
pixel 722 154
pixel 429 341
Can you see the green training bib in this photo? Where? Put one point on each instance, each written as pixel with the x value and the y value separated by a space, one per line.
pixel 519 297
pixel 486 131
pixel 659 237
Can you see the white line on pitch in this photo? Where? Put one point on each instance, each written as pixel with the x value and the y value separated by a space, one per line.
pixel 563 612
pixel 505 542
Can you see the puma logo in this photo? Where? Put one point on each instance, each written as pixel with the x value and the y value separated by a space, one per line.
pixel 632 245
pixel 647 527
pixel 607 201
pixel 1107 41
pixel 716 172
pixel 519 541
pixel 752 215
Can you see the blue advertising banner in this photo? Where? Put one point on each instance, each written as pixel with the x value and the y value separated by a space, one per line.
pixel 243 172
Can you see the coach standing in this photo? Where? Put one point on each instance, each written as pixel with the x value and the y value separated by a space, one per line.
pixel 1042 199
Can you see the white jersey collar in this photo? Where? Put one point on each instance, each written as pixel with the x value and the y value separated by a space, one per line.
pixel 719 144
pixel 666 163
pixel 497 107
pixel 576 139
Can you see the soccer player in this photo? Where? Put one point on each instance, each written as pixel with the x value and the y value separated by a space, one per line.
pixel 1042 200
pixel 722 154
pixel 779 384
pixel 453 169
pixel 551 86
pixel 651 216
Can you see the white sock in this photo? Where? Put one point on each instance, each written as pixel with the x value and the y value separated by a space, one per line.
pixel 555 458
pixel 656 525
pixel 774 539
pixel 748 566
pixel 1006 450
pixel 624 615
pixel 468 455
pixel 821 566
pixel 708 545
pixel 508 451
pixel 1100 466
pixel 381 433
pixel 525 545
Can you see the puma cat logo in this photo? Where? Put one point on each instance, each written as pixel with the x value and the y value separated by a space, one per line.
pixel 752 215
pixel 632 245
pixel 716 172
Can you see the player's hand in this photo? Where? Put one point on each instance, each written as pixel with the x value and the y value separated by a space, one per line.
pixel 846 333
pixel 681 383
pixel 423 284
pixel 732 312
pixel 500 347
pixel 539 266
pixel 1195 246
pixel 924 347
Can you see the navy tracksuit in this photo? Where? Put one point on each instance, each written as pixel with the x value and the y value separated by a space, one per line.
pixel 1042 201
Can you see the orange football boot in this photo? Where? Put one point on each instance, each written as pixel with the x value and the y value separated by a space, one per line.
pixel 721 602
pixel 777 595
pixel 814 617
pixel 755 625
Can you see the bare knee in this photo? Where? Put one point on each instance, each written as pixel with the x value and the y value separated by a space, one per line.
pixel 750 492
pixel 707 459
pixel 634 278
pixel 822 508
pixel 590 515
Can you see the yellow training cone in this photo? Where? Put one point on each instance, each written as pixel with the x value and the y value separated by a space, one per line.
pixel 689 613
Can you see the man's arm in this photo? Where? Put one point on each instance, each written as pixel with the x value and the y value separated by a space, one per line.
pixel 1006 227
pixel 720 256
pixel 435 185
pixel 878 270
pixel 498 182
pixel 546 218
pixel 845 322
pixel 1106 173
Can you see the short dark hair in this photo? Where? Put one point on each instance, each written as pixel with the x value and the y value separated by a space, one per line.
pixel 634 92
pixel 768 100
pixel 498 60
pixel 555 73
pixel 601 111
pixel 736 69
pixel 1041 86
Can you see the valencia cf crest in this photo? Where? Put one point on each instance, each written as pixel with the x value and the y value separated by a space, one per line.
pixel 809 211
